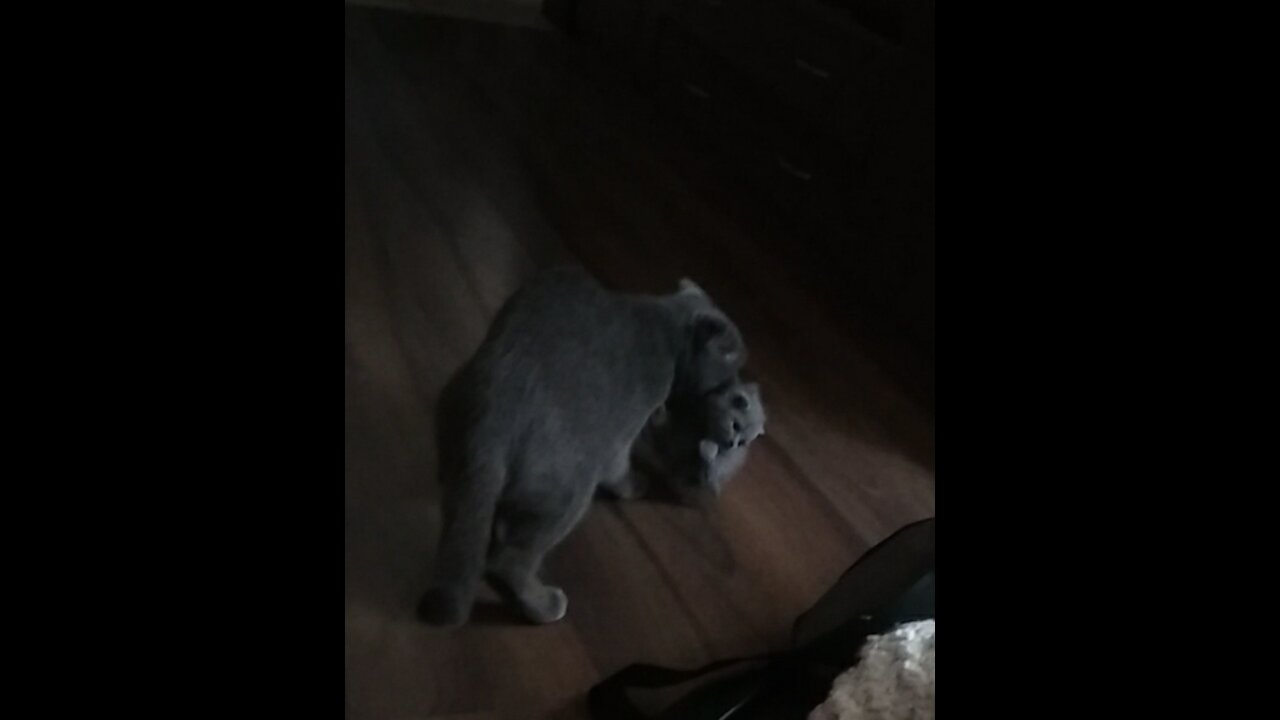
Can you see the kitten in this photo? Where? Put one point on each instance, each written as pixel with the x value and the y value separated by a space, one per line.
pixel 735 420
pixel 546 411
pixel 697 447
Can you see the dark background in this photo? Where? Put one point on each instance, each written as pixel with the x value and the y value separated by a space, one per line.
pixel 824 111
pixel 186 349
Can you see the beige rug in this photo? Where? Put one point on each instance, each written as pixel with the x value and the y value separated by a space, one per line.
pixel 893 680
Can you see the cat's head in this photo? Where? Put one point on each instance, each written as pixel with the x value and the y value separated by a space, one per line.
pixel 714 351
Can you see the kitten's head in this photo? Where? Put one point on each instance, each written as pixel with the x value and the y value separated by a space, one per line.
pixel 735 417
pixel 715 351
pixel 706 443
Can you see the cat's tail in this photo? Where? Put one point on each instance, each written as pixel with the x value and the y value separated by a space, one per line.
pixel 469 504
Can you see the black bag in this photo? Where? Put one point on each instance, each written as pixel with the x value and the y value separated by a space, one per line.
pixel 891 584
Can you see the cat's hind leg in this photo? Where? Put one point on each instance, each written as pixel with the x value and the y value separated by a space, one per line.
pixel 528 535
pixel 460 561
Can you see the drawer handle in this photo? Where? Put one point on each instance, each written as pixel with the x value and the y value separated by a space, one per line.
pixel 812 69
pixel 794 171
pixel 696 91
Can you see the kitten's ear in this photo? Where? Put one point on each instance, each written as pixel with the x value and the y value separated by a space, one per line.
pixel 708 450
pixel 689 287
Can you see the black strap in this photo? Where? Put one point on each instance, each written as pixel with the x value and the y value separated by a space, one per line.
pixel 827 639
pixel 609 699
pixel 872 584
pixel 841 647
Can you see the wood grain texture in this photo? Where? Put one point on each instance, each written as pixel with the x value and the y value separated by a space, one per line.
pixel 476 154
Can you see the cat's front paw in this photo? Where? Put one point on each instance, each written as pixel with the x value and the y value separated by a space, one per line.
pixel 443 607
pixel 550 605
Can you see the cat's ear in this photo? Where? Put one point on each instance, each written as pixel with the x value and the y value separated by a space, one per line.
pixel 709 327
pixel 689 287
pixel 708 450
pixel 716 334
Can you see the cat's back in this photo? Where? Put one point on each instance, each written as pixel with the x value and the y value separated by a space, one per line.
pixel 548 304
pixel 513 335
pixel 561 328
pixel 567 356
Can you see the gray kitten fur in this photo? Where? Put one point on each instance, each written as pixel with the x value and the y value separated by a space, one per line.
pixel 736 419
pixel 698 446
pixel 546 411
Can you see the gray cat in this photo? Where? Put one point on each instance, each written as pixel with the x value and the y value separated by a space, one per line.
pixel 545 412
pixel 695 446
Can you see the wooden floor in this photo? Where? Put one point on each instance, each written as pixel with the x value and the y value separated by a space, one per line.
pixel 474 155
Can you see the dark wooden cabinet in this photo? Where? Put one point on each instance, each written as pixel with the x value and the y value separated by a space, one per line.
pixel 827 108
pixel 615 27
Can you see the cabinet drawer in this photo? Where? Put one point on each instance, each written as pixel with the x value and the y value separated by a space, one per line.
pixel 746 33
pixel 704 90
pixel 793 167
pixel 613 27
pixel 778 151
